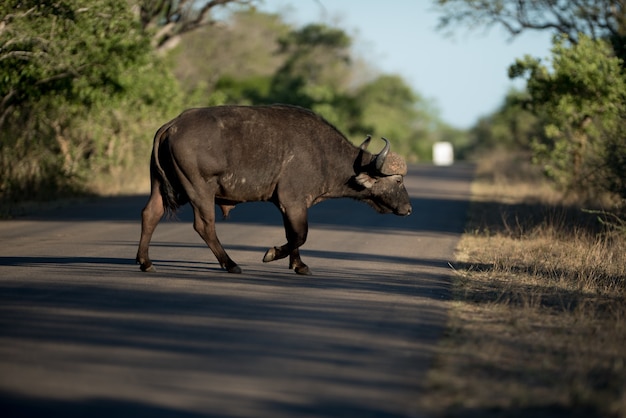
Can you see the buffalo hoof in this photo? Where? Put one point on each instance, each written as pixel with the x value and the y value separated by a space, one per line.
pixel 303 270
pixel 234 269
pixel 270 255
pixel 148 267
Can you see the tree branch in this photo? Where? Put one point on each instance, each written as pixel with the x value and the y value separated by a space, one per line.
pixel 179 17
pixel 594 18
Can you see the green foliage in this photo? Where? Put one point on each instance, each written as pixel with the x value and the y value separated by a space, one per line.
pixel 510 127
pixel 74 48
pixel 390 106
pixel 581 97
pixel 578 98
pixel 388 103
pixel 316 65
pixel 211 60
pixel 76 78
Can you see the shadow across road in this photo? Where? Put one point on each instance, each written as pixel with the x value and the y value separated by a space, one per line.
pixel 264 344
pixel 432 214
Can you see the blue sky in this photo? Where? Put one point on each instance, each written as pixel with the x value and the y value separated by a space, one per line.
pixel 464 74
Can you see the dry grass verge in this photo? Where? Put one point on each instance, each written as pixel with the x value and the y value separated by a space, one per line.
pixel 538 321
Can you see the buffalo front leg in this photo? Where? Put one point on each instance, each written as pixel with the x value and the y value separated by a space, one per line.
pixel 295 263
pixel 296 229
pixel 204 224
pixel 150 217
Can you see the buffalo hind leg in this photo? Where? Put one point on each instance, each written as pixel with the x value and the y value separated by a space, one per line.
pixel 150 217
pixel 204 224
pixel 296 229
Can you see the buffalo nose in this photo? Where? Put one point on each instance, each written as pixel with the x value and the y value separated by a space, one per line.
pixel 406 211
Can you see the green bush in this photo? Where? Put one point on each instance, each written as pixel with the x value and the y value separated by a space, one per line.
pixel 79 86
pixel 581 97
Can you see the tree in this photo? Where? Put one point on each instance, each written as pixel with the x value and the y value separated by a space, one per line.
pixel 47 47
pixel 581 95
pixel 315 71
pixel 315 74
pixel 595 18
pixel 75 77
pixel 225 63
pixel 510 127
pixel 169 19
pixel 392 108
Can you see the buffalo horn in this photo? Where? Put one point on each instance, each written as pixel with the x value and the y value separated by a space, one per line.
pixel 380 158
pixel 365 143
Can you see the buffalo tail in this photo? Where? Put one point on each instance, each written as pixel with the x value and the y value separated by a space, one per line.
pixel 173 195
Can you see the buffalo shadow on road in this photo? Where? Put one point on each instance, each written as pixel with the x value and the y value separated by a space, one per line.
pixel 21 406
pixel 430 214
pixel 438 196
pixel 385 278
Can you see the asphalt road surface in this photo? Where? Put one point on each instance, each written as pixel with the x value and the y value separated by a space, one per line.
pixel 84 333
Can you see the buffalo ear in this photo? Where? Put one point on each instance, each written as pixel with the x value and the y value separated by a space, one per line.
pixel 365 180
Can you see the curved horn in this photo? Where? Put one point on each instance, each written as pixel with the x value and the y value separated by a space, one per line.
pixel 380 158
pixel 365 143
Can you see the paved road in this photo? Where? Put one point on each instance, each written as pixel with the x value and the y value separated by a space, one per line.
pixel 84 333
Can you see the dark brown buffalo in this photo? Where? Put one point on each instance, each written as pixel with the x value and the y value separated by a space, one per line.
pixel 287 155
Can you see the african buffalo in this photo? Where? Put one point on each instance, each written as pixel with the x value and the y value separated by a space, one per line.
pixel 287 155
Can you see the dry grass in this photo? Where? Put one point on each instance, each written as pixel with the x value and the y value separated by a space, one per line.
pixel 538 321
